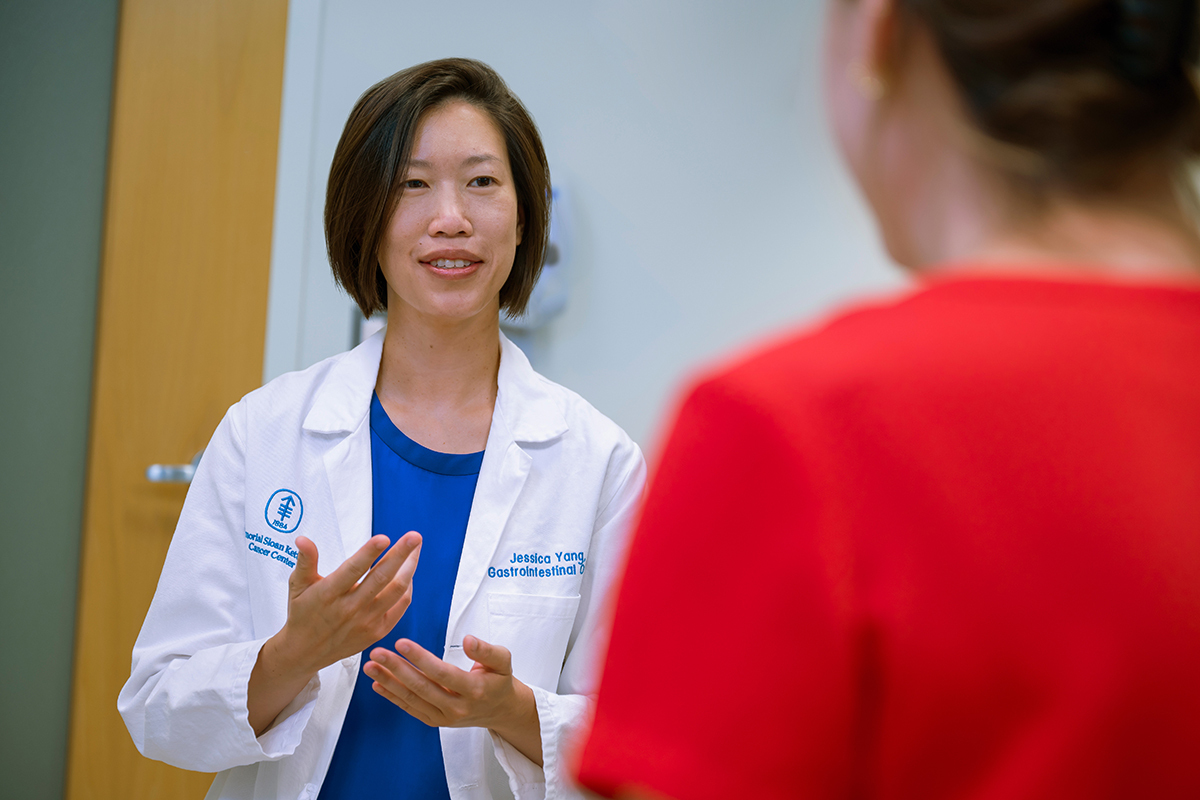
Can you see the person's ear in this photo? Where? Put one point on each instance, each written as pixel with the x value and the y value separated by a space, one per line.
pixel 878 47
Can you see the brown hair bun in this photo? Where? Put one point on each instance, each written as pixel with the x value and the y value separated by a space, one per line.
pixel 1084 86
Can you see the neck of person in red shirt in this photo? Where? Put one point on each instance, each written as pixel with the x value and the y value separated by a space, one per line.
pixel 948 198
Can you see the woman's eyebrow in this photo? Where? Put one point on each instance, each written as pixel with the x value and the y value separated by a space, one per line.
pixel 469 161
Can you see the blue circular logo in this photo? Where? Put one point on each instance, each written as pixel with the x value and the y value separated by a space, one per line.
pixel 284 511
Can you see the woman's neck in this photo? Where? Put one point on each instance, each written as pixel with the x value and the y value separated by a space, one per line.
pixel 1142 233
pixel 438 382
pixel 1114 246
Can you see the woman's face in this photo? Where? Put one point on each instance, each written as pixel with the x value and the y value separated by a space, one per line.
pixel 450 244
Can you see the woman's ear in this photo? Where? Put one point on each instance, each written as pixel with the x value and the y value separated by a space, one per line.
pixel 880 40
pixel 520 224
pixel 868 44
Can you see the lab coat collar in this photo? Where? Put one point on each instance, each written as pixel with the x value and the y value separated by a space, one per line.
pixel 524 402
pixel 343 399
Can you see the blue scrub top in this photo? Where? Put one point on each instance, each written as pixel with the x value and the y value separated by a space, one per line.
pixel 382 751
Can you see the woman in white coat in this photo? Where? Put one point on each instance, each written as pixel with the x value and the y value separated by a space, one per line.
pixel 252 663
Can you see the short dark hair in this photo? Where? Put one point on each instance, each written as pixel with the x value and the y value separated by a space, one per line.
pixel 366 177
pixel 1084 87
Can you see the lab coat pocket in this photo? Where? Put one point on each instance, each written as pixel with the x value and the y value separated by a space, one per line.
pixel 535 629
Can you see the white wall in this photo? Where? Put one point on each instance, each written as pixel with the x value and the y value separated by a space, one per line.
pixel 707 204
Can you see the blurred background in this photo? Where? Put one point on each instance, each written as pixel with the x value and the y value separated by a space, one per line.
pixel 162 172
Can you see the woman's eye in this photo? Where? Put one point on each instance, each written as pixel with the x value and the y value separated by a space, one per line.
pixel 414 183
pixel 483 180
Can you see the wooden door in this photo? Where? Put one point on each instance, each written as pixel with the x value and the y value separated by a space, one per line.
pixel 182 316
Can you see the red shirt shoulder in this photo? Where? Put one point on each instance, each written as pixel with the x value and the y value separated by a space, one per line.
pixel 968 508
pixel 1000 332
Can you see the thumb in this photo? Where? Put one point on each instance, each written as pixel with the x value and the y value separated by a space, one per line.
pixel 492 656
pixel 305 573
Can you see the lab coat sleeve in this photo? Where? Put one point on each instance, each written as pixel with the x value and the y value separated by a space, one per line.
pixel 185 700
pixel 562 715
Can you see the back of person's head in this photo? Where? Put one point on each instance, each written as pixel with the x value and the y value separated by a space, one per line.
pixel 1077 90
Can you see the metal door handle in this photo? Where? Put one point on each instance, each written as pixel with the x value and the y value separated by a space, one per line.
pixel 173 473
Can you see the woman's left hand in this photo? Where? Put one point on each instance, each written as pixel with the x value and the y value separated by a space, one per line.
pixel 442 695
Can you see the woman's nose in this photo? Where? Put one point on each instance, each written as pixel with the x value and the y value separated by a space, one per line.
pixel 450 216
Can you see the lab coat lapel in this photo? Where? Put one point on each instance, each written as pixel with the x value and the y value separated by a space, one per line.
pixel 348 469
pixel 342 405
pixel 525 413
pixel 501 477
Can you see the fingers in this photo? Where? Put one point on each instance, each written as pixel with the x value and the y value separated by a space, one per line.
pixel 395 597
pixel 305 572
pixel 410 703
pixel 441 694
pixel 344 578
pixel 438 671
pixel 395 601
pixel 411 542
pixel 398 565
pixel 412 686
pixel 496 658
pixel 395 690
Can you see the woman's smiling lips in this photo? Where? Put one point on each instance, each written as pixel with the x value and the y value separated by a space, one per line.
pixel 451 263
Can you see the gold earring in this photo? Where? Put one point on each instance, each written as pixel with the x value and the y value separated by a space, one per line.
pixel 868 83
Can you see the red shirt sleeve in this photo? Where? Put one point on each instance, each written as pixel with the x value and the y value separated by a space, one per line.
pixel 731 655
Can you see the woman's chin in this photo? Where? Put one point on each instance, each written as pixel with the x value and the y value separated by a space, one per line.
pixel 455 314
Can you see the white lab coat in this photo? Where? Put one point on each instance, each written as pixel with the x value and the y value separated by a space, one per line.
pixel 557 478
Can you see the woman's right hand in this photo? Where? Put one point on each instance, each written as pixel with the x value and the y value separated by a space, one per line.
pixel 330 618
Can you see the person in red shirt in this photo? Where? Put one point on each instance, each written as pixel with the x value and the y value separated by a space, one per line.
pixel 947 545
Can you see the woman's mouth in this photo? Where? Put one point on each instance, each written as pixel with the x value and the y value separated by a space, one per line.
pixel 452 268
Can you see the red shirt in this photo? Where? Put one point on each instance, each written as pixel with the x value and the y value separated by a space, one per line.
pixel 946 547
